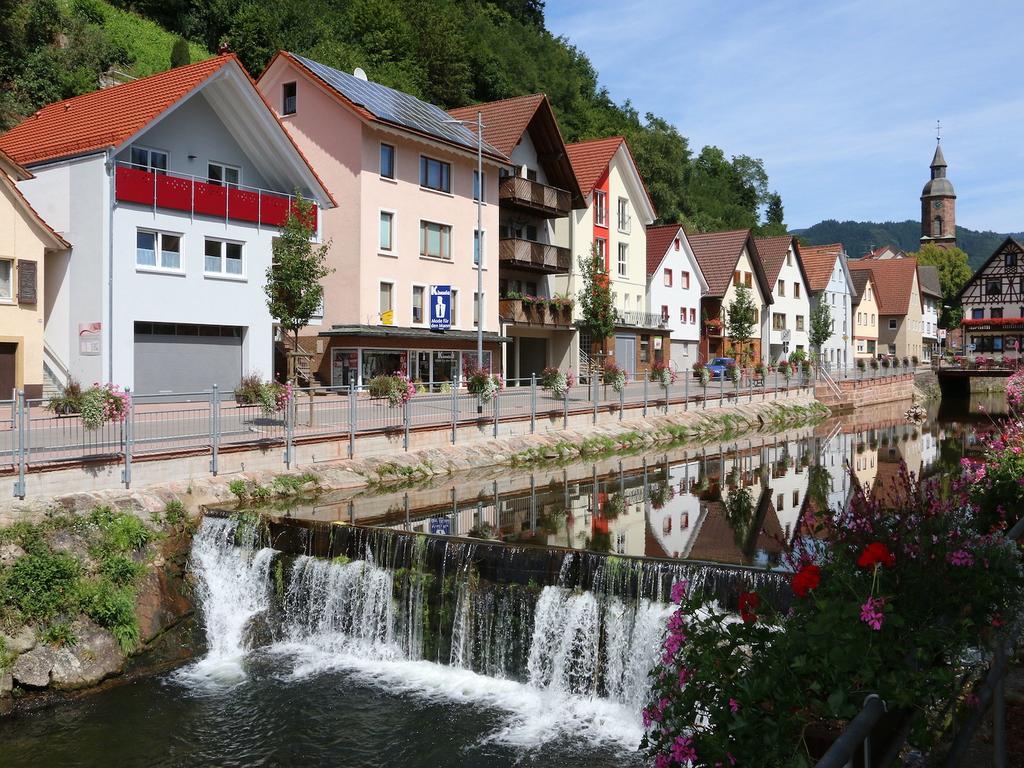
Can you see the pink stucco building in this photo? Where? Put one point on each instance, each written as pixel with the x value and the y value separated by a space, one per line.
pixel 404 175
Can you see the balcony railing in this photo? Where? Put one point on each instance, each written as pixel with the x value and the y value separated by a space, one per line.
pixel 534 196
pixel 539 257
pixel 640 319
pixel 199 197
pixel 534 313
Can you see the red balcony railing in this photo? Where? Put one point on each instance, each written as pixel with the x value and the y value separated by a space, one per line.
pixel 198 197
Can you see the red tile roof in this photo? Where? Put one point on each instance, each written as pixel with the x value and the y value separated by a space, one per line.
pixel 819 261
pixel 103 118
pixel 772 251
pixel 659 238
pixel 505 121
pixel 717 254
pixel 590 160
pixel 894 282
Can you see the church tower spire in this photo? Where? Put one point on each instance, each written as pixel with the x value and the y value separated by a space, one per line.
pixel 938 202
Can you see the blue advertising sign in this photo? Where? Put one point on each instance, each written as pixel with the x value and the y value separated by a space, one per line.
pixel 440 307
pixel 441 526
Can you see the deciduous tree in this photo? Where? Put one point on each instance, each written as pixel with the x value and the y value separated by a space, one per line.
pixel 595 299
pixel 740 319
pixel 954 272
pixel 820 328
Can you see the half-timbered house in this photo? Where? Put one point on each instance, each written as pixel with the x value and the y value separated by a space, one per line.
pixel 993 302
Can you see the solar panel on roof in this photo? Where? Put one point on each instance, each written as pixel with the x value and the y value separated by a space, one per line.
pixel 395 106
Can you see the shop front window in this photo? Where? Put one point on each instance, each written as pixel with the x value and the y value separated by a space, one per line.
pixel 469 360
pixel 446 368
pixel 382 362
pixel 344 368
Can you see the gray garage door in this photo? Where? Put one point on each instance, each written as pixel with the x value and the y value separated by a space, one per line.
pixel 181 357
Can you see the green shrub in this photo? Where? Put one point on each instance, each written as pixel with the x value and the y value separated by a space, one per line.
pixel 120 570
pixel 114 609
pixel 119 531
pixel 174 513
pixel 41 585
pixel 59 634
pixel 239 488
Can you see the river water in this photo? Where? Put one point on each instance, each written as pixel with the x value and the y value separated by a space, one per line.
pixel 424 655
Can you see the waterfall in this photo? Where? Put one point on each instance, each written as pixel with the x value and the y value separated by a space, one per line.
pixel 232 586
pixel 428 617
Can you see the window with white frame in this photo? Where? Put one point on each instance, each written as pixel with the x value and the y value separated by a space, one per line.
pixel 668 278
pixel 600 208
pixel 418 292
pixel 223 258
pixel 476 309
pixel 149 159
pixel 892 323
pixel 387 231
pixel 387 161
pixel 682 315
pixel 799 322
pixel 478 238
pixel 435 174
pixel 623 215
pixel 476 187
pixel 157 250
pixel 623 259
pixel 223 174
pixel 693 316
pixel 684 280
pixel 796 290
pixel 6 279
pixel 435 240
pixel 455 307
pixel 664 313
pixel 385 301
pixel 782 288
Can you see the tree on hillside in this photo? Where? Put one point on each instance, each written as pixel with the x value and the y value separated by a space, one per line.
pixel 773 217
pixel 293 281
pixel 740 321
pixel 954 272
pixel 820 328
pixel 595 299
pixel 180 55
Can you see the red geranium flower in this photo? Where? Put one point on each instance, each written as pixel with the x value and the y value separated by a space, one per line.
pixel 806 579
pixel 749 603
pixel 876 552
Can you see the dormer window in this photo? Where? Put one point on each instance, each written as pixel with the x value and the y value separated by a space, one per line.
pixel 288 99
pixel 149 159
pixel 1011 259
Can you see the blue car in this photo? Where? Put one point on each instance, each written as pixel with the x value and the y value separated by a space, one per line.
pixel 717 367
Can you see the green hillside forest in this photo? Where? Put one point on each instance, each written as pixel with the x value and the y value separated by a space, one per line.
pixel 450 52
pixel 859 237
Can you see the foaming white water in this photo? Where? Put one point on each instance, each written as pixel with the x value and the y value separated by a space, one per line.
pixel 233 586
pixel 531 717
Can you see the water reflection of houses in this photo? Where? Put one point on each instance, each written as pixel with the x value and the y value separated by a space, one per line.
pixel 740 503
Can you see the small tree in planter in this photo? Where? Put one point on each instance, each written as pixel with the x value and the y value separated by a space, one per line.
pixel 906 361
pixel 740 319
pixel 885 363
pixel 395 388
pixel 861 365
pixel 914 359
pixel 293 281
pixel 820 330
pixel 661 373
pixel 484 384
pixel 596 301
pixel 874 363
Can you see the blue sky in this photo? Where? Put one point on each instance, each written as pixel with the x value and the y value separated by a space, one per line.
pixel 838 97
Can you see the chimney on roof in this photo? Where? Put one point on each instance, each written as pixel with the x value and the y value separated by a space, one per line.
pixel 224 48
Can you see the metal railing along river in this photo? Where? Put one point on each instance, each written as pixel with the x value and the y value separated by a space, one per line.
pixel 34 437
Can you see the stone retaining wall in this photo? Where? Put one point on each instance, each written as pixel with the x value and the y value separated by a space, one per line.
pixel 858 394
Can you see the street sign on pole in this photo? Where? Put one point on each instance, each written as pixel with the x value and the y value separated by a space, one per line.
pixel 440 307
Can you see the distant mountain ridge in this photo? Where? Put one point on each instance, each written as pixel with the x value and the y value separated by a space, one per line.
pixel 860 237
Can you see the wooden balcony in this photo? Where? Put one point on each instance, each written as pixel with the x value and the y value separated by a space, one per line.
pixel 527 313
pixel 536 257
pixel 534 197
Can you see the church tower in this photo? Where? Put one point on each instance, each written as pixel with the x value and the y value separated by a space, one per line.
pixel 938 205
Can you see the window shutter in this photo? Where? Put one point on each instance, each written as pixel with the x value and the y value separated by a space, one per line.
pixel 26 282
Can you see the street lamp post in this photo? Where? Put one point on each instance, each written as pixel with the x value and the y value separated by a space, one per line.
pixel 479 240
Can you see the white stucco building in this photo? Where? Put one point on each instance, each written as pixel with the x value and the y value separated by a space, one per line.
pixel 171 190
pixel 829 281
pixel 675 285
pixel 791 306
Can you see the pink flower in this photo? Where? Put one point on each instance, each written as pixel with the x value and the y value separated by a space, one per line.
pixel 662 761
pixel 734 706
pixel 682 750
pixel 960 557
pixel 679 591
pixel 871 612
pixel 684 675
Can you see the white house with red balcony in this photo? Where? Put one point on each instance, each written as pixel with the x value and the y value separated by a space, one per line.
pixel 171 190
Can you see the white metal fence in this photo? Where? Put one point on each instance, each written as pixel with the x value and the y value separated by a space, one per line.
pixel 33 437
